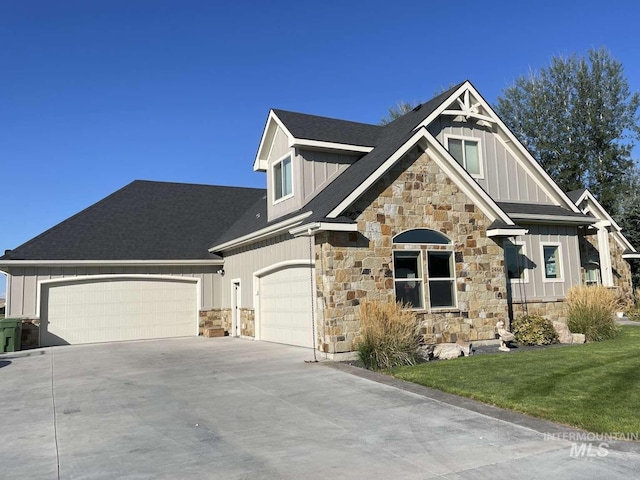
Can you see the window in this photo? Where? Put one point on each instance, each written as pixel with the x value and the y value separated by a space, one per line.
pixel 592 274
pixel 552 262
pixel 441 279
pixel 466 151
pixel 516 261
pixel 408 278
pixel 282 178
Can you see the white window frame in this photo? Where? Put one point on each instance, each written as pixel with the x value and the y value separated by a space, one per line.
pixel 517 243
pixel 288 155
pixel 420 259
pixel 454 284
pixel 464 138
pixel 559 262
pixel 596 269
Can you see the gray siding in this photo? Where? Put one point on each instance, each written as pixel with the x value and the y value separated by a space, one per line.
pixel 321 168
pixel 505 179
pixel 536 288
pixel 280 148
pixel 22 287
pixel 243 262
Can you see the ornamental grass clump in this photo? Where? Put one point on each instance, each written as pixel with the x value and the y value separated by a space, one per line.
pixel 534 330
pixel 390 336
pixel 592 312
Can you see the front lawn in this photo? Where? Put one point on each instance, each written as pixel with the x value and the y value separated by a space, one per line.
pixel 595 386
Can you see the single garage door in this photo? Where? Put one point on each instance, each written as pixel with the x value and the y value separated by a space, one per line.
pixel 285 306
pixel 114 309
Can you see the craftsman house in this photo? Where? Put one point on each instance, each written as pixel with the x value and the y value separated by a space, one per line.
pixel 443 209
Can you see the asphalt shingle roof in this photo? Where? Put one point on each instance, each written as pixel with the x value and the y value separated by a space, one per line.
pixel 576 194
pixel 144 221
pixel 512 208
pixel 313 127
pixel 390 137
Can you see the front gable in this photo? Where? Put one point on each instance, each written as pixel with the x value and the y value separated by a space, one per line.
pixel 502 166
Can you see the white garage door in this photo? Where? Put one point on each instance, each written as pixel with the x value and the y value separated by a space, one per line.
pixel 285 306
pixel 114 309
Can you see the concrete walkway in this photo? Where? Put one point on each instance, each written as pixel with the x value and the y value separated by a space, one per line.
pixel 232 409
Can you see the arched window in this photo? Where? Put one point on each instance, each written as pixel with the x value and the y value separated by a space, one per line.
pixel 422 235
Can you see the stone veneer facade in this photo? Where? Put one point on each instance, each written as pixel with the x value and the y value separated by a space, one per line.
pixel 352 266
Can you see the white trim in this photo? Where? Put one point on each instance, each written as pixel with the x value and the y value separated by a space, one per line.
pixel 312 228
pixel 626 256
pixel 525 269
pixel 452 280
pixel 540 174
pixel 534 218
pixel 97 263
pixel 266 232
pixel 464 138
pixel 83 278
pixel 301 142
pixel 604 251
pixel 506 232
pixel 236 324
pixel 7 294
pixel 559 262
pixel 260 163
pixel 446 163
pixel 280 160
pixel 258 274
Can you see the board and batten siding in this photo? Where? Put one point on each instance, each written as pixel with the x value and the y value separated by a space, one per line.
pixel 279 148
pixel 536 288
pixel 243 262
pixel 319 169
pixel 505 178
pixel 22 287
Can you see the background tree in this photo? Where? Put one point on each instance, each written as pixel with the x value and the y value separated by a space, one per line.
pixel 629 215
pixel 397 110
pixel 579 119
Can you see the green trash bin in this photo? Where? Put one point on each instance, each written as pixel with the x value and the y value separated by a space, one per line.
pixel 10 332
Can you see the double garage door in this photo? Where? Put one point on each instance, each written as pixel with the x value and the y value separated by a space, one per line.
pixel 284 309
pixel 114 309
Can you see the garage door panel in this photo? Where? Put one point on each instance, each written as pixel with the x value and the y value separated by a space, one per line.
pixel 285 306
pixel 91 311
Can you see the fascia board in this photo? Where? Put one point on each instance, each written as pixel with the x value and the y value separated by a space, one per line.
pixel 539 173
pixel 260 163
pixel 301 142
pixel 600 211
pixel 266 232
pixel 312 228
pixel 533 218
pixel 506 232
pixel 98 263
pixel 631 256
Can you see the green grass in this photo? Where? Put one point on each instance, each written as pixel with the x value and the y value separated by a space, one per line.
pixel 595 386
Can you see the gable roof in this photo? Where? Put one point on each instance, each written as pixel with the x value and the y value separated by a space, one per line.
pixel 543 212
pixel 325 129
pixel 144 221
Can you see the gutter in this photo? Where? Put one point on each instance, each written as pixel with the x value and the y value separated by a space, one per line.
pixel 312 228
pixel 534 218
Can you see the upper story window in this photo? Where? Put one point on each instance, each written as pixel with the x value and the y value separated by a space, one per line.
pixel 466 151
pixel 282 178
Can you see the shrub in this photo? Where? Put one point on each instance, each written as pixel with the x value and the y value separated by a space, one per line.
pixel 534 330
pixel 389 335
pixel 592 312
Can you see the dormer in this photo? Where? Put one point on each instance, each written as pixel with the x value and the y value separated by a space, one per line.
pixel 301 154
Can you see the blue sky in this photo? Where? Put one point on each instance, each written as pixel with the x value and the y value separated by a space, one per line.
pixel 97 93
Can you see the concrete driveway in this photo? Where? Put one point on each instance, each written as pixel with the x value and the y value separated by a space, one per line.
pixel 232 409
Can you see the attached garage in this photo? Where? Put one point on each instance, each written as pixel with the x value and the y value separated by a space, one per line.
pixel 115 308
pixel 284 307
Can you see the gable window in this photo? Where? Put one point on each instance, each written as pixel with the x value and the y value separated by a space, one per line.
pixel 282 178
pixel 552 262
pixel 409 269
pixel 466 151
pixel 515 258
pixel 408 278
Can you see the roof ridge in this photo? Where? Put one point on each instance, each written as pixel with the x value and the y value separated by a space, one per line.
pixel 276 110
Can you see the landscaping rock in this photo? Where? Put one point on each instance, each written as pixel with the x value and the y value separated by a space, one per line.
pixel 564 334
pixel 578 337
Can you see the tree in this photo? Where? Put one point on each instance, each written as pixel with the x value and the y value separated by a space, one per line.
pixel 629 219
pixel 579 119
pixel 397 111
